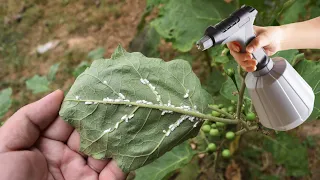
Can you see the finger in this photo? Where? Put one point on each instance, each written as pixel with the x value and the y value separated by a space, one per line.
pixel 241 57
pixel 74 143
pixel 249 63
pixel 96 164
pixel 259 42
pixel 251 69
pixel 23 165
pixel 234 46
pixel 59 130
pixel 22 130
pixel 112 172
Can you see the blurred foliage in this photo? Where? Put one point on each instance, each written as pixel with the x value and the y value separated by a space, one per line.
pixel 5 101
pixel 38 84
pixel 166 164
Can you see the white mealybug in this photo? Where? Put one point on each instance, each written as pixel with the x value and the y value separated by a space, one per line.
pixel 121 96
pixel 142 81
pixel 104 99
pixel 105 82
pixel 88 102
pixel 149 103
pixel 139 101
pixel 187 94
pixel 77 97
pixel 95 102
pixel 146 81
pixel 126 100
pixel 107 130
pixel 124 117
pixel 130 116
pixel 168 133
pixel 195 107
pixel 117 125
pixel 117 100
pixel 164 131
pixel 195 124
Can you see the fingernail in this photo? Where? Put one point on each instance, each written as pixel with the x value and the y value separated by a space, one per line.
pixel 250 49
pixel 255 68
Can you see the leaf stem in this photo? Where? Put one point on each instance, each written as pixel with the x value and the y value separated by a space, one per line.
pixel 161 107
pixel 240 132
pixel 220 111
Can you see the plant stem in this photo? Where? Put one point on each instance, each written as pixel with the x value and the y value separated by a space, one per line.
pixel 204 137
pixel 238 133
pixel 240 101
pixel 220 111
pixel 160 108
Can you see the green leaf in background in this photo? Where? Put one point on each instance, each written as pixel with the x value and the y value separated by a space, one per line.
pixel 177 158
pixel 189 171
pixel 184 21
pixel 293 12
pixel 229 90
pixel 289 152
pixel 146 42
pixel 5 101
pixel 96 53
pixel 38 84
pixel 310 71
pixel 53 71
pixel 268 10
pixel 80 68
pixel 215 81
pixel 289 55
pixel 218 54
pixel 134 109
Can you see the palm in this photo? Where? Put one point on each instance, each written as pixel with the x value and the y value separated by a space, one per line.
pixel 36 145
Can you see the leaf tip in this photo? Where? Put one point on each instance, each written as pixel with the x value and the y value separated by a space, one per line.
pixel 120 51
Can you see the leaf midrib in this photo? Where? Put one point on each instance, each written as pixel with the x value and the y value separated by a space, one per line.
pixel 159 107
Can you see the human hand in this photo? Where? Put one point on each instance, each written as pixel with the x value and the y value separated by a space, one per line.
pixel 268 38
pixel 35 143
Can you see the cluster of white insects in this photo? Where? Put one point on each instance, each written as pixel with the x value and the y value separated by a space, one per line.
pixel 126 117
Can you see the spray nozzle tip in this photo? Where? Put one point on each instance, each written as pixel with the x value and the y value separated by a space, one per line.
pixel 204 43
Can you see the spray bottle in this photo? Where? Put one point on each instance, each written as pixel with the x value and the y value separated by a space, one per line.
pixel 281 97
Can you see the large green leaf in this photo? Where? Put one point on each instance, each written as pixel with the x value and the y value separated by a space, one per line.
pixel 310 71
pixel 38 84
pixel 5 101
pixel 289 152
pixel 166 164
pixel 129 107
pixel 184 21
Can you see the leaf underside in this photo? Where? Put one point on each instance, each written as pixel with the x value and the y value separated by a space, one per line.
pixel 134 109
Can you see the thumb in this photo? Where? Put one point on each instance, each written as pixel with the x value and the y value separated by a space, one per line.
pixel 23 129
pixel 259 42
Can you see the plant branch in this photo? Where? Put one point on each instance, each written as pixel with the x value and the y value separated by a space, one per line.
pixel 161 108
pixel 238 133
pixel 220 111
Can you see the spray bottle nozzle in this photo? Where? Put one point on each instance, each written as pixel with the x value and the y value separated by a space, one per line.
pixel 205 43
